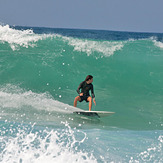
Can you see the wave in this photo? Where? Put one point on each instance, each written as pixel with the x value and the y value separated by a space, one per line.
pixel 40 70
pixel 128 71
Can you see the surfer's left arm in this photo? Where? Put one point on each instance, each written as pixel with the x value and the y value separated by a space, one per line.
pixel 93 95
pixel 94 101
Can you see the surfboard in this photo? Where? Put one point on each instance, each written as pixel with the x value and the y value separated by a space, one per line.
pixel 98 114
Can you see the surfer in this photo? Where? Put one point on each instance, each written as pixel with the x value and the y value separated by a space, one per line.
pixel 85 87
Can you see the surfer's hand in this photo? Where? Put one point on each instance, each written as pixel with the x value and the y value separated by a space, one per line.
pixel 94 101
pixel 81 94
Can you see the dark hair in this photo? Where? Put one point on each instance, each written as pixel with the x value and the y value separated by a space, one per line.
pixel 88 77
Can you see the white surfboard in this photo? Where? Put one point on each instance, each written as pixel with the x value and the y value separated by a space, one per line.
pixel 94 113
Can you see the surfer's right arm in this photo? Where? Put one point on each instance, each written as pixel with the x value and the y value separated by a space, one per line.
pixel 78 90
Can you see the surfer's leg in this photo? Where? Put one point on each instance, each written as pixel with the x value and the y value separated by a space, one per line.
pixel 89 99
pixel 76 100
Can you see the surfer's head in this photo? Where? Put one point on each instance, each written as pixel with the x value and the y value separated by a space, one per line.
pixel 89 79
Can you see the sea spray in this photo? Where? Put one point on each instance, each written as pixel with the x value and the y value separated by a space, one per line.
pixel 27 143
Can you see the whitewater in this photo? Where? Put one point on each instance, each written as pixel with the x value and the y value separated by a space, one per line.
pixel 40 70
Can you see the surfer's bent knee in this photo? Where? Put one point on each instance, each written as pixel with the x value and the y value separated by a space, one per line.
pixel 89 99
pixel 78 98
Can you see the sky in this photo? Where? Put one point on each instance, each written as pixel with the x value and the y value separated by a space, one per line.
pixel 116 15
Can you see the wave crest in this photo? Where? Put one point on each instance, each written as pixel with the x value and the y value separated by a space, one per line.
pixel 107 48
pixel 158 44
pixel 16 38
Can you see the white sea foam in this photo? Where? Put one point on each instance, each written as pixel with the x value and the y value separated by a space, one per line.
pixel 152 153
pixel 158 44
pixel 14 97
pixel 16 38
pixel 43 146
pixel 106 48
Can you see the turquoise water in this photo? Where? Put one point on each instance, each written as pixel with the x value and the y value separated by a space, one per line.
pixel 40 70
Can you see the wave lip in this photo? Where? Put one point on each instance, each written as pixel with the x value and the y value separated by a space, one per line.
pixel 17 38
pixel 27 38
pixel 158 44
pixel 107 48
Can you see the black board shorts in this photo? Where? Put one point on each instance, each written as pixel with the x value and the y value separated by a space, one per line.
pixel 83 98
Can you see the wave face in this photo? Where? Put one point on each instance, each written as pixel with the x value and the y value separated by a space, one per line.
pixel 40 70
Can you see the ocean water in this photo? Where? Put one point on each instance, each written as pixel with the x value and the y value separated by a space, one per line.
pixel 40 70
